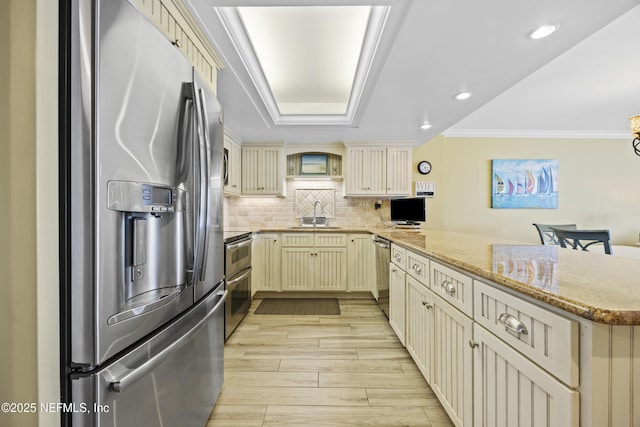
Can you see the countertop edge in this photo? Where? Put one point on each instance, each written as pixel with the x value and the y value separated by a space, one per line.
pixel 595 314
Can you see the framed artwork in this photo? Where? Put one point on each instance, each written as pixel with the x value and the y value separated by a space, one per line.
pixel 313 164
pixel 528 184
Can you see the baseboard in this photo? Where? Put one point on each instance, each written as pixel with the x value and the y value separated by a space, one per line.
pixel 314 294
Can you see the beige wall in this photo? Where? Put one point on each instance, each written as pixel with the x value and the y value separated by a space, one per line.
pixel 17 217
pixel 28 218
pixel 598 185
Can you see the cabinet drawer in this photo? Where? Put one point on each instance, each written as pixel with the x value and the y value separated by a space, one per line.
pixel 399 256
pixel 330 240
pixel 546 338
pixel 454 287
pixel 418 267
pixel 297 240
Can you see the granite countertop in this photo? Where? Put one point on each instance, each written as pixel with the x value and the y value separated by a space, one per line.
pixel 598 287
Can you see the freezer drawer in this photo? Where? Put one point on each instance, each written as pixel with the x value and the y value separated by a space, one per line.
pixel 172 379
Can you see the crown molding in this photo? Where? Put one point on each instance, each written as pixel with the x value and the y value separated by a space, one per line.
pixel 542 134
pixel 235 29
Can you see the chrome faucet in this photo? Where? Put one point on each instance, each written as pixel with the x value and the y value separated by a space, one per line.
pixel 315 217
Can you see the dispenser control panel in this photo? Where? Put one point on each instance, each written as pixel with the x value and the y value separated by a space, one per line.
pixel 127 196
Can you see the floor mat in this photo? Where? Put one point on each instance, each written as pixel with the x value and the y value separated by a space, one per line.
pixel 299 306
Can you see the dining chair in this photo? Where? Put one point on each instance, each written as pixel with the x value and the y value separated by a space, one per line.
pixel 582 239
pixel 547 236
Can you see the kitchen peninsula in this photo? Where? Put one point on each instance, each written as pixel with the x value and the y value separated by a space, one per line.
pixel 540 331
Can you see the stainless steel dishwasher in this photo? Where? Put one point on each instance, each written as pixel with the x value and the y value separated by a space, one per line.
pixel 383 257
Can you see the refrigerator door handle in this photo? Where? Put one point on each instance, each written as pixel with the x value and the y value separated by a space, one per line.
pixel 206 148
pixel 130 378
pixel 202 166
pixel 184 166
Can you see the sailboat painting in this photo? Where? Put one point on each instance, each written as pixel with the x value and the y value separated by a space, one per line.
pixel 528 184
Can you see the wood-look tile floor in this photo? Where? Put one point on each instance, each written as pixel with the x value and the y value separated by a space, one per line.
pixel 345 370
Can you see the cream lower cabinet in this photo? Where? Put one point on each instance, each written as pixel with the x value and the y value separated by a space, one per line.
pixel 511 391
pixel 360 263
pixel 314 261
pixel 452 361
pixel 419 327
pixel 397 301
pixel 265 261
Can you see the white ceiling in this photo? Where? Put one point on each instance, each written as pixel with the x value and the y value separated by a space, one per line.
pixel 584 80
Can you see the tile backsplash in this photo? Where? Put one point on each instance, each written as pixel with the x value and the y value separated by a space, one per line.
pixel 278 212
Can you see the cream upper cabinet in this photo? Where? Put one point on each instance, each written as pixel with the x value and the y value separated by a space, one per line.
pixel 399 171
pixel 233 166
pixel 375 170
pixel 262 169
pixel 174 20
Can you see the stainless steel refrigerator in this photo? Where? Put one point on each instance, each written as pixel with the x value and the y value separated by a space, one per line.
pixel 142 286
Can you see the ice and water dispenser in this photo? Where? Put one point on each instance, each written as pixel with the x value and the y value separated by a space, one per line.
pixel 153 227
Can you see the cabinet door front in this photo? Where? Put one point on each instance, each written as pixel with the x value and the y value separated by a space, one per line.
pixel 452 361
pixel 297 269
pixel 511 391
pixel 330 269
pixel 419 328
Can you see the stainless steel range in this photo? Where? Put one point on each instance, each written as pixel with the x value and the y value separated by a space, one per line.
pixel 237 269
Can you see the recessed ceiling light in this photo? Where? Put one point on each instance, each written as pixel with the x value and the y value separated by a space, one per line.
pixel 463 95
pixel 543 31
pixel 425 126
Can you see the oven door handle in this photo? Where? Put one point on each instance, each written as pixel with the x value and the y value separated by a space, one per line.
pixel 239 244
pixel 239 278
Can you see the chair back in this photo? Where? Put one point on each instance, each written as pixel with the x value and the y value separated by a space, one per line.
pixel 547 236
pixel 582 239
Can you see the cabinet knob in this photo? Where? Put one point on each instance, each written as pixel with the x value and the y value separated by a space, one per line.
pixel 473 344
pixel 448 287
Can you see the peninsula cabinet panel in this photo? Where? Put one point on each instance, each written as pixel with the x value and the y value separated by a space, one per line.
pixel 266 261
pixel 547 338
pixel 511 391
pixel 452 361
pixel 397 301
pixel 419 329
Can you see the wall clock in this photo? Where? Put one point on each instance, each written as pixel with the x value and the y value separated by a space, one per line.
pixel 424 167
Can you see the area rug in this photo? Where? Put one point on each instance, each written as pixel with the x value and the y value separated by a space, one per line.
pixel 299 306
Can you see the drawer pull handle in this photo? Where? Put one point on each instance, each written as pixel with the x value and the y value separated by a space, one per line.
pixel 426 304
pixel 448 287
pixel 417 268
pixel 397 257
pixel 512 324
